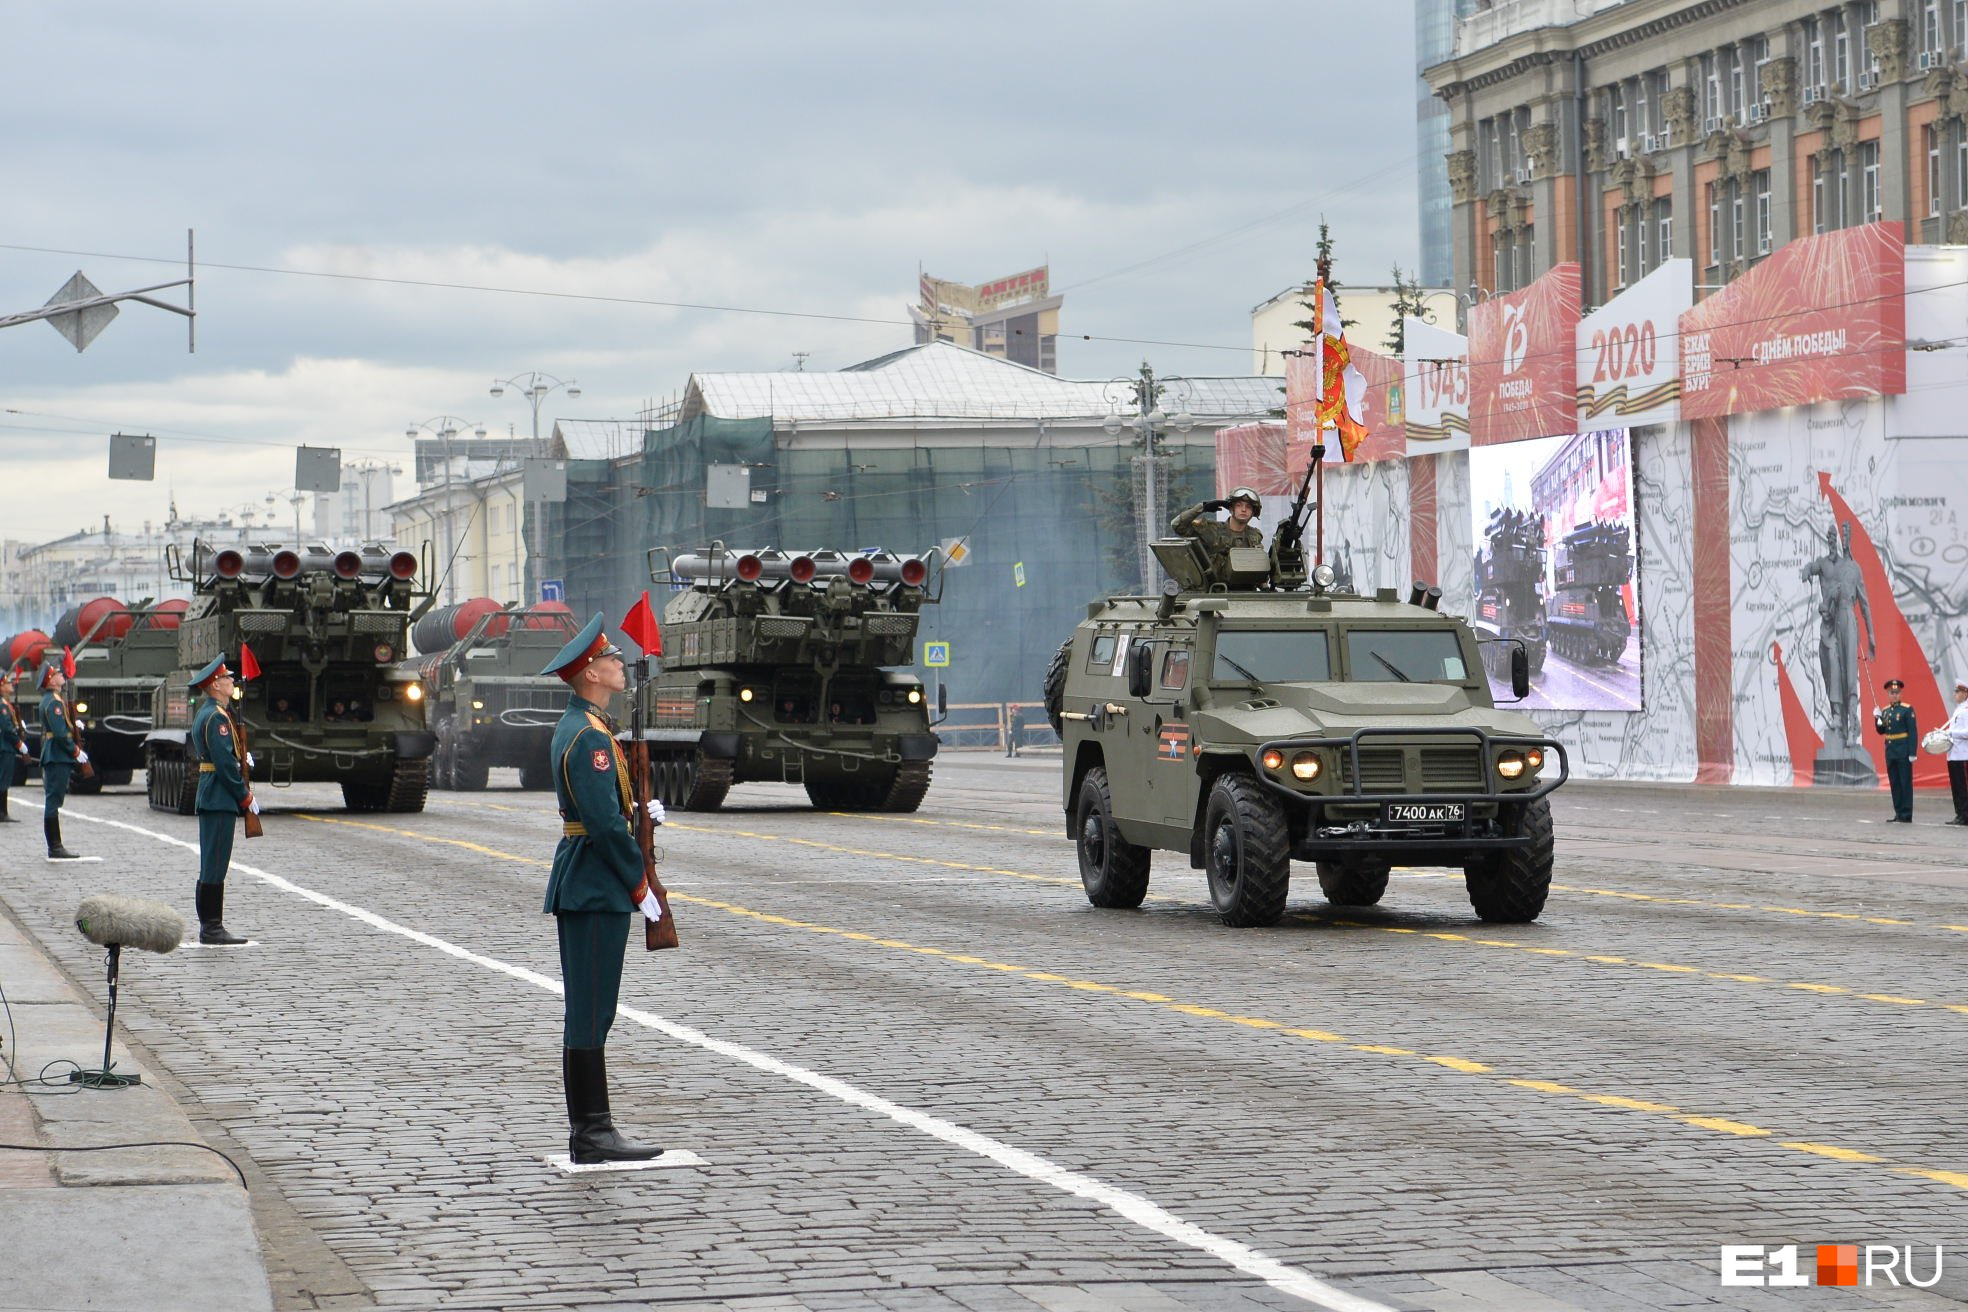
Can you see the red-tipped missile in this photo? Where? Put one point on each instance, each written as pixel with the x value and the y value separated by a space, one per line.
pixel 348 565
pixel 403 565
pixel 800 569
pixel 228 564
pixel 860 570
pixel 286 564
pixel 749 568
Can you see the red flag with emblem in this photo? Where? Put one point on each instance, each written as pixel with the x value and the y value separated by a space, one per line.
pixel 643 630
pixel 68 663
pixel 248 667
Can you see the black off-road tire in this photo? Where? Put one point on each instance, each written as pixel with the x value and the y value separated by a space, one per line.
pixel 1055 686
pixel 1246 852
pixel 1113 870
pixel 536 776
pixel 1353 882
pixel 469 771
pixel 704 783
pixel 1510 887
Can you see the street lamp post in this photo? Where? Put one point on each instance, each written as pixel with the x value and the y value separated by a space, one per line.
pixel 535 387
pixel 1151 466
pixel 444 428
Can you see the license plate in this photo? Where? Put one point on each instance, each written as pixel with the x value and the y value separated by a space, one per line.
pixel 1424 813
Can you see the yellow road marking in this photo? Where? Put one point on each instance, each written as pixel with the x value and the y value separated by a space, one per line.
pixel 1460 1065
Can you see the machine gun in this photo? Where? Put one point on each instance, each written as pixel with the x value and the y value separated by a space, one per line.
pixel 1288 541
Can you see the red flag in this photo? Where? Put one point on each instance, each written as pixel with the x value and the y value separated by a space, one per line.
pixel 640 624
pixel 68 663
pixel 248 667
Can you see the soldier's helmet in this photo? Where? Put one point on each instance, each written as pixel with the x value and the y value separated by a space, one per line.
pixel 1246 494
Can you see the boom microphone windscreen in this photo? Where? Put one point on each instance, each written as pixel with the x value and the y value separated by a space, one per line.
pixel 131 922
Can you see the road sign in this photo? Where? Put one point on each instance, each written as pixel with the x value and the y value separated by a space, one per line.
pixel 936 655
pixel 551 590
pixel 318 469
pixel 132 456
pixel 956 551
pixel 1018 573
pixel 79 326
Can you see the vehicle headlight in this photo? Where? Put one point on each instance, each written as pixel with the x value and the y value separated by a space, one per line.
pixel 81 708
pixel 477 705
pixel 915 696
pixel 746 694
pixel 1306 766
pixel 1323 575
pixel 1510 765
pixel 1535 759
pixel 1273 759
pixel 415 692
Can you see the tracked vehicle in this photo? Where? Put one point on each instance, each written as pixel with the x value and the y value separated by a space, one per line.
pixel 487 700
pixel 1280 719
pixel 1586 620
pixel 1510 596
pixel 777 667
pixel 331 704
pixel 121 654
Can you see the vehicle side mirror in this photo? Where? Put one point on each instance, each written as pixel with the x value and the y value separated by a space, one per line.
pixel 1141 670
pixel 1520 672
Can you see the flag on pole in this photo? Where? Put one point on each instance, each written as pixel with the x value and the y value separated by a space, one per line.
pixel 68 663
pixel 248 667
pixel 641 627
pixel 1342 402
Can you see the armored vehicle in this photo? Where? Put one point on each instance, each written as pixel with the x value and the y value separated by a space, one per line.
pixel 331 704
pixel 121 653
pixel 775 667
pixel 1254 725
pixel 1510 589
pixel 1586 620
pixel 487 700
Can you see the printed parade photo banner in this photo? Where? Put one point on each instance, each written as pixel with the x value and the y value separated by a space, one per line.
pixel 1551 520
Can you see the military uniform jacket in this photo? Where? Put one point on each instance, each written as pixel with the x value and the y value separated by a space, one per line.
pixel 1896 726
pixel 598 865
pixel 58 745
pixel 223 787
pixel 13 735
pixel 1217 537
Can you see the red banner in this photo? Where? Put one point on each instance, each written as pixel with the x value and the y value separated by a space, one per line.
pixel 1822 319
pixel 1387 433
pixel 1523 361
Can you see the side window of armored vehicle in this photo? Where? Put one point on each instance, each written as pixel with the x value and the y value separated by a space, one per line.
pixel 1404 656
pixel 347 698
pixel 1175 669
pixel 1272 656
pixel 1100 654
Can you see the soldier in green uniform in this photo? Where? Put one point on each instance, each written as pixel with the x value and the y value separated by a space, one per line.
pixel 60 755
pixel 223 794
pixel 596 883
pixel 13 738
pixel 1218 538
pixel 1895 723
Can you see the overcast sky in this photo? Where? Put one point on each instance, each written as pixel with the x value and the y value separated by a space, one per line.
pixel 1169 159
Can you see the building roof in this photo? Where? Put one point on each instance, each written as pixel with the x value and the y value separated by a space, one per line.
pixel 596 439
pixel 941 381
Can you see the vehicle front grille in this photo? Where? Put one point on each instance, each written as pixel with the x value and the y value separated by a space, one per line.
pixel 889 625
pixel 773 627
pixel 262 621
pixel 1457 769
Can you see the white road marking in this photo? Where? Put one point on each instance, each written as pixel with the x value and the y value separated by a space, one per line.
pixel 1132 1207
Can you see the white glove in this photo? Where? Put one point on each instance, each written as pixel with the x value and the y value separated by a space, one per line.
pixel 249 760
pixel 253 805
pixel 651 907
pixel 656 812
pixel 81 757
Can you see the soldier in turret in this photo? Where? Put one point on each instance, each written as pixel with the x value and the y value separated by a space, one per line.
pixel 1218 538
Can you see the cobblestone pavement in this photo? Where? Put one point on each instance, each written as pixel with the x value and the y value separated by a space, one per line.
pixel 923 1073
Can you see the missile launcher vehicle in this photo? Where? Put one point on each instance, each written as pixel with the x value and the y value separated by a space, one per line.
pixel 487 700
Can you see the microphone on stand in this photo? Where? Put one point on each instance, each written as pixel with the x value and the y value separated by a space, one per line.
pixel 115 922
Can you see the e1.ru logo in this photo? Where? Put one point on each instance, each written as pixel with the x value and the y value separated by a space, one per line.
pixel 1838 1264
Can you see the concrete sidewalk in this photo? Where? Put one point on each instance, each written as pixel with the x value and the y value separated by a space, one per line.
pixel 164 1228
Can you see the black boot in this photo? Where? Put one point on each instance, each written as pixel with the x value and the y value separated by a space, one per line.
pixel 51 827
pixel 5 819
pixel 211 916
pixel 594 1139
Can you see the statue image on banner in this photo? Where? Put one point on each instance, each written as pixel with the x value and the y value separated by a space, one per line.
pixel 1842 606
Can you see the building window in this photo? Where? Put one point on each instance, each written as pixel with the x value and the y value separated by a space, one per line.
pixel 1714 225
pixel 1814 69
pixel 1960 168
pixel 1841 189
pixel 1619 254
pixel 1869 179
pixel 1930 137
pixel 1930 25
pixel 1961 27
pixel 1841 48
pixel 1645 241
pixel 1817 196
pixel 1616 114
pixel 1735 57
pixel 1758 55
pixel 1664 227
pixel 1760 182
pixel 1711 93
pixel 1526 255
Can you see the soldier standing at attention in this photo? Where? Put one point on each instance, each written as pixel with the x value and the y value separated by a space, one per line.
pixel 597 881
pixel 223 793
pixel 13 739
pixel 1894 721
pixel 60 754
pixel 1217 539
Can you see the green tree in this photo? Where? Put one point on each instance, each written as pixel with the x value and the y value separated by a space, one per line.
pixel 1407 302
